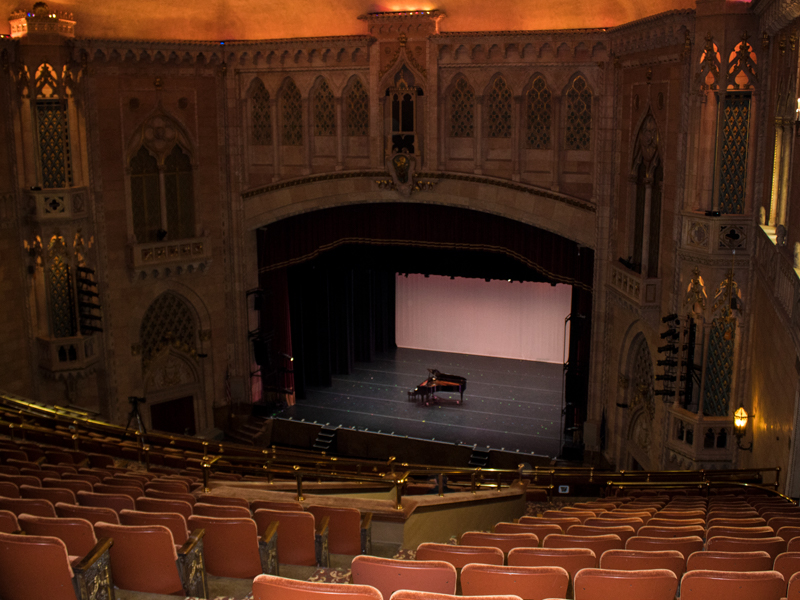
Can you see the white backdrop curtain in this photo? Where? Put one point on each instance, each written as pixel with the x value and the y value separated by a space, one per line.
pixel 472 316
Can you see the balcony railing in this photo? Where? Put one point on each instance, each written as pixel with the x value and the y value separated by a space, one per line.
pixel 170 257
pixel 700 441
pixel 642 291
pixel 68 357
pixel 59 204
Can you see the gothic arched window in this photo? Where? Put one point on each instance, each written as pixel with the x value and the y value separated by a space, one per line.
pixel 179 194
pixel 145 196
pixel 462 109
pixel 498 113
pixel 260 115
pixel 578 114
pixel 168 321
pixel 324 110
pixel 291 115
pixel 539 110
pixel 52 130
pixel 60 290
pixel 357 110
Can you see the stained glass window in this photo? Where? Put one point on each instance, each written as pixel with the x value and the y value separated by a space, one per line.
pixel 168 321
pixel 145 196
pixel 292 115
pixel 498 113
pixel 261 118
pixel 733 170
pixel 357 110
pixel 51 117
pixel 462 109
pixel 324 110
pixel 179 191
pixel 539 115
pixel 578 115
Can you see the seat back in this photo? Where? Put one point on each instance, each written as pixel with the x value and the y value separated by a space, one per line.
pixel 635 522
pixel 81 477
pixel 743 522
pixel 563 522
pixel 741 532
pixel 221 510
pixel 230 544
pixel 275 505
pixel 77 534
pixel 34 567
pixel 458 556
pixel 388 575
pixel 657 522
pixel 596 543
pixel 787 564
pixel 121 490
pixel 9 490
pixel 793 588
pixel 54 495
pixel 8 522
pixel 623 531
pixel 124 481
pixel 777 522
pixel 71 484
pixel 628 514
pixel 19 480
pixel 729 561
pixel 32 506
pixel 571 560
pixel 186 497
pixel 530 583
pixel 639 560
pixel 93 514
pixel 224 501
pixel 505 541
pixel 182 507
pixel 680 514
pixel 115 502
pixel 411 595
pixel 269 587
pixel 344 527
pixel 684 545
pixel 581 515
pixel 788 533
pixel 771 545
pixel 296 539
pixel 602 584
pixel 651 531
pixel 143 558
pixel 539 530
pixel 175 522
pixel 177 487
pixel 729 585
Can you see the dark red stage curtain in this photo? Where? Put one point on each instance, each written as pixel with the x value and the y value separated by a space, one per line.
pixel 422 226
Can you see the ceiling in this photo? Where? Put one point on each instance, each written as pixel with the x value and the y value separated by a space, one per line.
pixel 274 19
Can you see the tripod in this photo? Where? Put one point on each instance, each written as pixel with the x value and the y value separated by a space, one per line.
pixel 134 414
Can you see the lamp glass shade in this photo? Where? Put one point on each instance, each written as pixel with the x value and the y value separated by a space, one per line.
pixel 740 420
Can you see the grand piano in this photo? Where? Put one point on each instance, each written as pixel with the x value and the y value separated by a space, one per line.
pixel 425 392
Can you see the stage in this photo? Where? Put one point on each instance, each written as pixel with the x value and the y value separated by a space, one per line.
pixel 510 404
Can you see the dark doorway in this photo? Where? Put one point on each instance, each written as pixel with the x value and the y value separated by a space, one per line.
pixel 174 416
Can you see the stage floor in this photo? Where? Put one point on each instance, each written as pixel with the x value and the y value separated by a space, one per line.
pixel 510 404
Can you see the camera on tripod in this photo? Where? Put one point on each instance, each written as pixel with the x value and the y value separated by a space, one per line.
pixel 136 400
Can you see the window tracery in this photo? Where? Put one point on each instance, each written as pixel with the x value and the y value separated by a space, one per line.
pixel 578 114
pixel 539 110
pixel 499 110
pixel 357 110
pixel 60 290
pixel 260 115
pixel 324 110
pixel 52 130
pixel 292 115
pixel 462 109
pixel 168 321
pixel 179 194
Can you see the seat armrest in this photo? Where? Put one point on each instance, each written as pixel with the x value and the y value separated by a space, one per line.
pixel 321 543
pixel 268 549
pixel 93 574
pixel 192 567
pixel 366 533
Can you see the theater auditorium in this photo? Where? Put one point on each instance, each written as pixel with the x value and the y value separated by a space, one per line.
pixel 399 300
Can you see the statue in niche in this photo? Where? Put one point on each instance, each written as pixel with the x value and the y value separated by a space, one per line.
pixel 401 167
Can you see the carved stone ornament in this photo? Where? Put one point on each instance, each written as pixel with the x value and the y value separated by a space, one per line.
pixel 648 139
pixel 169 373
pixel 780 234
pixel 696 295
pixel 402 169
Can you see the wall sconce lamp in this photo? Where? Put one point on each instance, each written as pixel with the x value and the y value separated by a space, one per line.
pixel 740 418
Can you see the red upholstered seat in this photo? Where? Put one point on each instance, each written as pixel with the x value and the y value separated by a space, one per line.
pixel 605 584
pixel 623 531
pixel 32 506
pixel 505 541
pixel 161 505
pixel 119 490
pixel 54 495
pixel 77 534
pixel 458 556
pixel 177 487
pixel 71 484
pixel 153 493
pixel 741 532
pixel 581 515
pixel 729 585
pixel 596 543
pixel 269 587
pixel 772 545
pixel 224 501
pixel 231 546
pixel 729 561
pixel 787 564
pixel 638 560
pixel 531 583
pixel 684 545
pixel 389 575
pixel 8 522
pixel 176 523
pixel 563 522
pixel 9 490
pixel 296 536
pixel 143 558
pixel 649 531
pixel 540 530
pixel 93 514
pixel 793 588
pixel 348 531
pixel 634 522
pixel 221 510
pixel 275 505
pixel 411 595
